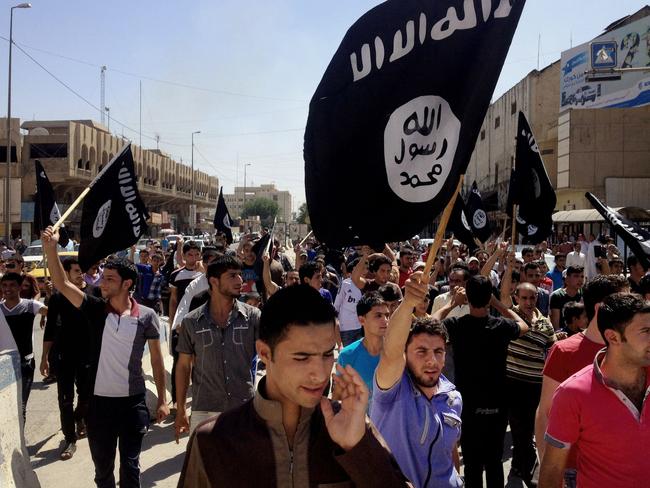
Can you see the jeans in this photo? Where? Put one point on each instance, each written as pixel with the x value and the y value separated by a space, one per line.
pixel 349 336
pixel 27 367
pixel 484 430
pixel 71 373
pixel 523 399
pixel 123 420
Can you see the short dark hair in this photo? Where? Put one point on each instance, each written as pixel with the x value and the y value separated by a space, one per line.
pixel 516 277
pixel 390 292
pixel 188 246
pixel 527 250
pixel 560 255
pixel 125 268
pixel 572 310
pixel 644 284
pixel 479 291
pixel 461 268
pixel 377 261
pixel 298 305
pixel 531 265
pixel 68 263
pixel 574 269
pixel 368 301
pixel 427 325
pixel 618 310
pixel 614 261
pixel 222 264
pixel 633 261
pixel 308 270
pixel 17 277
pixel 598 288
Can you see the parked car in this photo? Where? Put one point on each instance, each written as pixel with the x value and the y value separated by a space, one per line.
pixel 38 271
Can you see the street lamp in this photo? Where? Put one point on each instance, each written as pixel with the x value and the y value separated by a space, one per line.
pixel 244 204
pixel 192 204
pixel 108 117
pixel 8 160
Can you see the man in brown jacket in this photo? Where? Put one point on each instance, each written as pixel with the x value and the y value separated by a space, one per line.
pixel 289 435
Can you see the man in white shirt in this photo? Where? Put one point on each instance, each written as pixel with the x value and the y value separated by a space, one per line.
pixel 576 258
pixel 346 307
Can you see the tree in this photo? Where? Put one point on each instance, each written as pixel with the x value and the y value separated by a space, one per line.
pixel 303 214
pixel 265 208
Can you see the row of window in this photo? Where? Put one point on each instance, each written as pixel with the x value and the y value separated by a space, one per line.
pixel 497 120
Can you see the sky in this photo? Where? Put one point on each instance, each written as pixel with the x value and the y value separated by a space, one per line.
pixel 242 73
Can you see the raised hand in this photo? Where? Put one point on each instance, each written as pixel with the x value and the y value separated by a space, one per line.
pixel 415 290
pixel 348 426
pixel 50 238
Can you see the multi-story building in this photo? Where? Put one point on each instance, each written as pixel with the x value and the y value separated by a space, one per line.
pixel 74 151
pixel 236 201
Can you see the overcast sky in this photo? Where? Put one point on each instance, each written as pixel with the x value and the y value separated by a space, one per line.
pixel 240 72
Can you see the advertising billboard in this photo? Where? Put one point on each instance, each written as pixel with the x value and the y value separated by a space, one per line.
pixel 625 47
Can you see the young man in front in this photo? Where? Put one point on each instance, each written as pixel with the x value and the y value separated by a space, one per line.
pixel 416 409
pixel 603 409
pixel 119 330
pixel 289 434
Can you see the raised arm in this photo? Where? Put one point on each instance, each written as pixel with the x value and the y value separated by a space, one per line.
pixel 489 264
pixel 458 298
pixel 506 282
pixel 392 360
pixel 510 314
pixel 358 272
pixel 50 239
pixel 270 285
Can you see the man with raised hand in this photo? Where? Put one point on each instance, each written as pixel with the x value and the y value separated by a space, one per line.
pixel 119 330
pixel 416 409
pixel 289 432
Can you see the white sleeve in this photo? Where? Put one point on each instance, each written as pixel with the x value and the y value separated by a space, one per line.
pixel 198 285
pixel 339 298
pixel 36 306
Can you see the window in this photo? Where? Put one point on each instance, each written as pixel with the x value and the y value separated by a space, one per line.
pixel 496 174
pixel 3 154
pixel 483 134
pixel 497 122
pixel 44 151
pixel 275 198
pixel 547 151
pixel 513 108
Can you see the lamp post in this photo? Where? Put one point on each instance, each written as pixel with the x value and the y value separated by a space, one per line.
pixel 192 204
pixel 8 161
pixel 108 118
pixel 244 204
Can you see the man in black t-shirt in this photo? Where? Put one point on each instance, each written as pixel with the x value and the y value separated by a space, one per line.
pixel 571 292
pixel 480 343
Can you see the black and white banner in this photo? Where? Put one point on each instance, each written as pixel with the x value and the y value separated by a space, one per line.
pixel 394 120
pixel 460 226
pixel 478 218
pixel 114 216
pixel 634 236
pixel 222 221
pixel 46 211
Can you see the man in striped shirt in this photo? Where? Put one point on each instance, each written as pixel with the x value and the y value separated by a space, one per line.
pixel 524 379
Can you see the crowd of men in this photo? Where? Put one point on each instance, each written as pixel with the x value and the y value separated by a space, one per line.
pixel 372 373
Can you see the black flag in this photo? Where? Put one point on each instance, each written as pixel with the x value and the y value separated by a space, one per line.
pixel 114 216
pixel 478 218
pixel 46 211
pixel 634 236
pixel 222 220
pixel 459 225
pixel 531 188
pixel 397 114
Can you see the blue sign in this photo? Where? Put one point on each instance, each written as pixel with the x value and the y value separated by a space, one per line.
pixel 603 54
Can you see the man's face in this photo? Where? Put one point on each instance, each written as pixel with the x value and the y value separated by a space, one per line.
pixel 422 307
pixel 575 280
pixel 635 342
pixel 112 284
pixel 292 278
pixel 577 247
pixel 229 283
pixel 10 290
pixel 581 322
pixel 560 263
pixel 616 267
pixel 425 358
pixel 299 368
pixel 528 257
pixel 14 266
pixel 406 260
pixel 375 322
pixel 473 266
pixel 534 276
pixel 456 279
pixel 75 275
pixel 144 257
pixel 383 274
pixel 157 260
pixel 527 300
pixel 92 271
pixel 192 257
pixel 316 281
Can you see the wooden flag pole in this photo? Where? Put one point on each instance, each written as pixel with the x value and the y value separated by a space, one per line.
pixel 267 251
pixel 514 225
pixel 71 208
pixel 440 233
pixel 505 226
pixel 306 237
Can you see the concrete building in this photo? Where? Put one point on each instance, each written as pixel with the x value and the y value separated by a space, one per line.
pixel 74 151
pixel 235 201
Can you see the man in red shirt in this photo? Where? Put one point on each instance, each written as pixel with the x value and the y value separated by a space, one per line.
pixel 406 260
pixel 603 408
pixel 569 356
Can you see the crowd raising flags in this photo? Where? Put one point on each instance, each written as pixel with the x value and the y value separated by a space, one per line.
pixel 530 188
pixel 397 114
pixel 46 211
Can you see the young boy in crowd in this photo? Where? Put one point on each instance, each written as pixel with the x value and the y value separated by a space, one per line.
pixel 575 318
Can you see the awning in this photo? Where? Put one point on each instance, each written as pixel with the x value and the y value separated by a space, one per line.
pixel 587 216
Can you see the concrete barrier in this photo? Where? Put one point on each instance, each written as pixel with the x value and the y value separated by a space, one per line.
pixel 15 468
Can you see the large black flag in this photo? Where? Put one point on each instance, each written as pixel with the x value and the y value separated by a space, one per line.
pixel 530 187
pixel 459 225
pixel 46 211
pixel 478 218
pixel 222 220
pixel 634 236
pixel 397 114
pixel 114 216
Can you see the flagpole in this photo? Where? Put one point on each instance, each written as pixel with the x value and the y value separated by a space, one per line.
pixel 306 237
pixel 267 251
pixel 514 225
pixel 83 194
pixel 440 233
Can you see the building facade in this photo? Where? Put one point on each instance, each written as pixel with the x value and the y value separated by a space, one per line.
pixel 236 201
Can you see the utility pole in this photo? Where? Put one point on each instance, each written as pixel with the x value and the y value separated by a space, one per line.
pixel 140 115
pixel 192 207
pixel 102 93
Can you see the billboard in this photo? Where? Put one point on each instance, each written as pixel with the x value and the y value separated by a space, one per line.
pixel 625 47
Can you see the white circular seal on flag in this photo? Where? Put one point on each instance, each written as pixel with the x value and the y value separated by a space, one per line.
pixel 55 215
pixel 420 142
pixel 463 219
pixel 532 230
pixel 226 221
pixel 479 219
pixel 101 220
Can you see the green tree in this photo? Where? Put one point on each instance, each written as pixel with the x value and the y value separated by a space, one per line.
pixel 265 208
pixel 303 214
